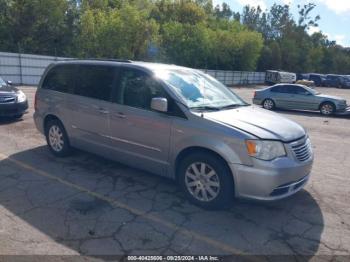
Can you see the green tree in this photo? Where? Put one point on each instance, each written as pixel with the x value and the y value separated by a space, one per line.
pixel 117 33
pixel 186 32
pixel 39 26
pixel 186 44
pixel 223 12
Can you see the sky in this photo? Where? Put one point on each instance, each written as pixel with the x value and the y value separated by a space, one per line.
pixel 335 15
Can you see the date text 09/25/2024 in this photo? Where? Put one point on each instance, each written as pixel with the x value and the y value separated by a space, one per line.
pixel 173 258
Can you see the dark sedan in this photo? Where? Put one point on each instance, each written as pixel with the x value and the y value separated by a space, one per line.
pixel 338 81
pixel 318 79
pixel 13 102
pixel 289 96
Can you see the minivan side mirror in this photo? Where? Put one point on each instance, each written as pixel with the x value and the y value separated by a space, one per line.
pixel 159 104
pixel 9 82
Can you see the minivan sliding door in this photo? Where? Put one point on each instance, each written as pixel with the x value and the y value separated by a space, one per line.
pixel 89 106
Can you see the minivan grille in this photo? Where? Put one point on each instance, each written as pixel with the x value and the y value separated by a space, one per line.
pixel 7 99
pixel 302 150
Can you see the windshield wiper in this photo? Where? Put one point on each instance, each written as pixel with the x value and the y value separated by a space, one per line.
pixel 233 106
pixel 205 108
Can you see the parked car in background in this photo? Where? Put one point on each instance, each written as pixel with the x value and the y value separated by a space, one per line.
pixel 338 81
pixel 173 121
pixel 305 82
pixel 302 76
pixel 318 79
pixel 13 102
pixel 274 77
pixel 344 82
pixel 289 96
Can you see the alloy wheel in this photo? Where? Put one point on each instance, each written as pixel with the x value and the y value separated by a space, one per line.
pixel 202 181
pixel 268 104
pixel 56 138
pixel 327 109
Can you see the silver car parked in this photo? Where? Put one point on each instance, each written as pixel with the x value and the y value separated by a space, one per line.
pixel 294 96
pixel 176 122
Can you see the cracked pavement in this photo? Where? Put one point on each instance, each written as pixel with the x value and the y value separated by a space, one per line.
pixel 91 206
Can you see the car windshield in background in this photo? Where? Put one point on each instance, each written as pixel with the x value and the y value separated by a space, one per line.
pixel 200 91
pixel 2 82
pixel 312 91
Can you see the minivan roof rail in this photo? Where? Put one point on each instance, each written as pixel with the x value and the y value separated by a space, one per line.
pixel 99 59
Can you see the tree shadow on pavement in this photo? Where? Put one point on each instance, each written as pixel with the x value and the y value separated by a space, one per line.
pixel 93 206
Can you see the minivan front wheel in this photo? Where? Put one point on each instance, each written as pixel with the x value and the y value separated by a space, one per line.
pixel 57 138
pixel 206 180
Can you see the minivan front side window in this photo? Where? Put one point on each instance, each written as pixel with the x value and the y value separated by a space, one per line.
pixel 137 89
pixel 199 90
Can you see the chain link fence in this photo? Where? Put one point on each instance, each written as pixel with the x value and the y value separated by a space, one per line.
pixel 25 69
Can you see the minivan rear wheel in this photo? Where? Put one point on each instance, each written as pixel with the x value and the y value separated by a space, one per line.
pixel 206 180
pixel 57 139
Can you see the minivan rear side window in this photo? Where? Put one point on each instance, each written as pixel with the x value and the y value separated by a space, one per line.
pixel 60 78
pixel 94 81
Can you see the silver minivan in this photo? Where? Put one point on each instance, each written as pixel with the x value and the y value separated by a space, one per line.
pixel 176 122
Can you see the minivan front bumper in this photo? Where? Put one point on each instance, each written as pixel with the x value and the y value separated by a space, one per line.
pixel 271 180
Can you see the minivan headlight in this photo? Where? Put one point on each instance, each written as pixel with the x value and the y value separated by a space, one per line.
pixel 265 149
pixel 21 97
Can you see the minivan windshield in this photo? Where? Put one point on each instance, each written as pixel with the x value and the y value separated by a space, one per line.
pixel 199 90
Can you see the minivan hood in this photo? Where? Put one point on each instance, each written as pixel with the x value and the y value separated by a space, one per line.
pixel 259 122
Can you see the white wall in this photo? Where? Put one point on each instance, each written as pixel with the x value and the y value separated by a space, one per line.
pixel 231 78
pixel 27 69
pixel 23 68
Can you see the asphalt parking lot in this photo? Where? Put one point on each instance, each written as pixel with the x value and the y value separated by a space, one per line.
pixel 87 205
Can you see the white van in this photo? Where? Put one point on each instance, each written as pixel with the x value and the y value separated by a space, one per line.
pixel 275 77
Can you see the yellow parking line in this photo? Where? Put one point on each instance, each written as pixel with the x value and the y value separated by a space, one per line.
pixel 118 204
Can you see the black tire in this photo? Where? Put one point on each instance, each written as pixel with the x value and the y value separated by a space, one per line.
pixel 225 193
pixel 268 101
pixel 66 148
pixel 330 108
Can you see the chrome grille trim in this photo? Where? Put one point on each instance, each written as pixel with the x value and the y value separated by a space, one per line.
pixel 302 149
pixel 7 99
